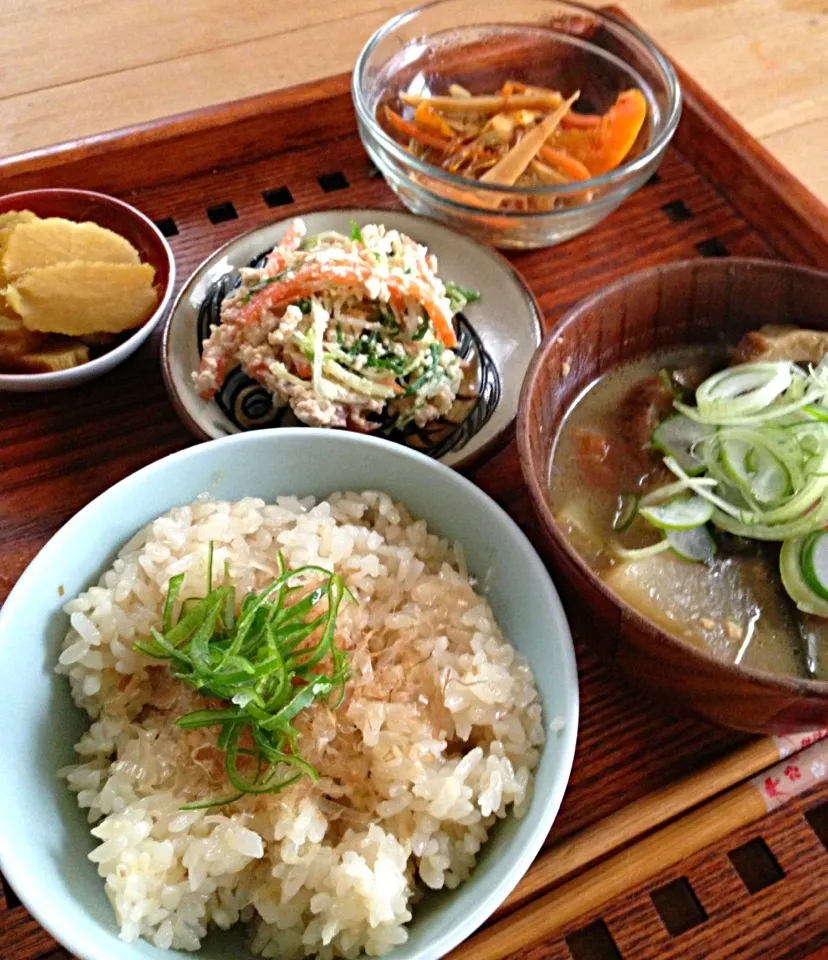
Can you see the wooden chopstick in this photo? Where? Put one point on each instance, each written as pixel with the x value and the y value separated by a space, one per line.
pixel 654 810
pixel 717 819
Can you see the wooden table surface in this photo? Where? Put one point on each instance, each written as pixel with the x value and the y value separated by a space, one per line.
pixel 73 68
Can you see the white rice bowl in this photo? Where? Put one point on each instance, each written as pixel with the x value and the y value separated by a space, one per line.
pixel 436 740
pixel 44 855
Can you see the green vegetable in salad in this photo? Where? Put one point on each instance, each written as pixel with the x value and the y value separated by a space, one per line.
pixel 383 353
pixel 459 297
pixel 422 329
pixel 266 283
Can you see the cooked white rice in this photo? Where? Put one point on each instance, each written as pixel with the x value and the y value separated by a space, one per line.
pixel 437 738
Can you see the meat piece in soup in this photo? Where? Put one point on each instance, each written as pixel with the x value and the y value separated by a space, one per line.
pixel 781 343
pixel 734 604
pixel 643 409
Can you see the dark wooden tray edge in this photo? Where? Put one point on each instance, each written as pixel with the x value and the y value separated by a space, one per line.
pixel 176 147
pixel 795 221
pixel 770 198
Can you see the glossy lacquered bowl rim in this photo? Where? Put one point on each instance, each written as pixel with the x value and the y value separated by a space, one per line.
pixel 112 358
pixel 618 175
pixel 534 474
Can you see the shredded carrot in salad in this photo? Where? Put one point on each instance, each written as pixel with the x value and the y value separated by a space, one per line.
pixel 352 332
pixel 519 135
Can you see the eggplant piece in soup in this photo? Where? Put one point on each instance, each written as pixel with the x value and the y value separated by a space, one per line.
pixel 732 600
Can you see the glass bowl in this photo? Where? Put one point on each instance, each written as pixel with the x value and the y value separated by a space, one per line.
pixel 482 43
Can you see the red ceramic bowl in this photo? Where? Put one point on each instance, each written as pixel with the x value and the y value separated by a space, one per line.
pixel 81 205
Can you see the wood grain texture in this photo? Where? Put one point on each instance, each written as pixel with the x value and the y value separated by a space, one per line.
pixel 572 854
pixel 123 63
pixel 783 209
pixel 271 56
pixel 151 154
pixel 546 915
pixel 60 451
pixel 89 41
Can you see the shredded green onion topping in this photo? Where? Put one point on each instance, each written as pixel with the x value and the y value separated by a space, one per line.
pixel 751 459
pixel 259 663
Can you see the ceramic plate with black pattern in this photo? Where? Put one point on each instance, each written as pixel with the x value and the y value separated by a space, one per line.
pixel 497 336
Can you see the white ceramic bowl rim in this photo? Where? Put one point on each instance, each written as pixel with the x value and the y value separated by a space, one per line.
pixel 622 172
pixel 110 359
pixel 23 871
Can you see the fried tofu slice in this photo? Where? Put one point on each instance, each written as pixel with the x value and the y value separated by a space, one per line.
pixel 39 243
pixel 53 354
pixel 82 298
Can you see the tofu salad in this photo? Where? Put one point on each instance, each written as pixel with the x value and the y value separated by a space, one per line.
pixel 354 332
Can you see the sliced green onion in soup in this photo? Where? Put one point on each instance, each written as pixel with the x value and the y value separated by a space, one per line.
pixel 750 459
pixel 743 390
pixel 697 545
pixel 770 479
pixel 670 490
pixel 639 553
pixel 756 470
pixel 797 588
pixel 682 513
pixel 819 411
pixel 679 437
pixel 814 563
pixel 625 512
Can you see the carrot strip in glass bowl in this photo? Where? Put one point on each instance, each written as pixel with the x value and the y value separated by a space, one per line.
pixel 426 117
pixel 414 132
pixel 580 121
pixel 603 146
pixel 563 163
pixel 520 135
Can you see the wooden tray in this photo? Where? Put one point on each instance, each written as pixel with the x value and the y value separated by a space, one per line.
pixel 208 176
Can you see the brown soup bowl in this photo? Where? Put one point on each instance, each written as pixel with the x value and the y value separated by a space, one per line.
pixel 680 304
